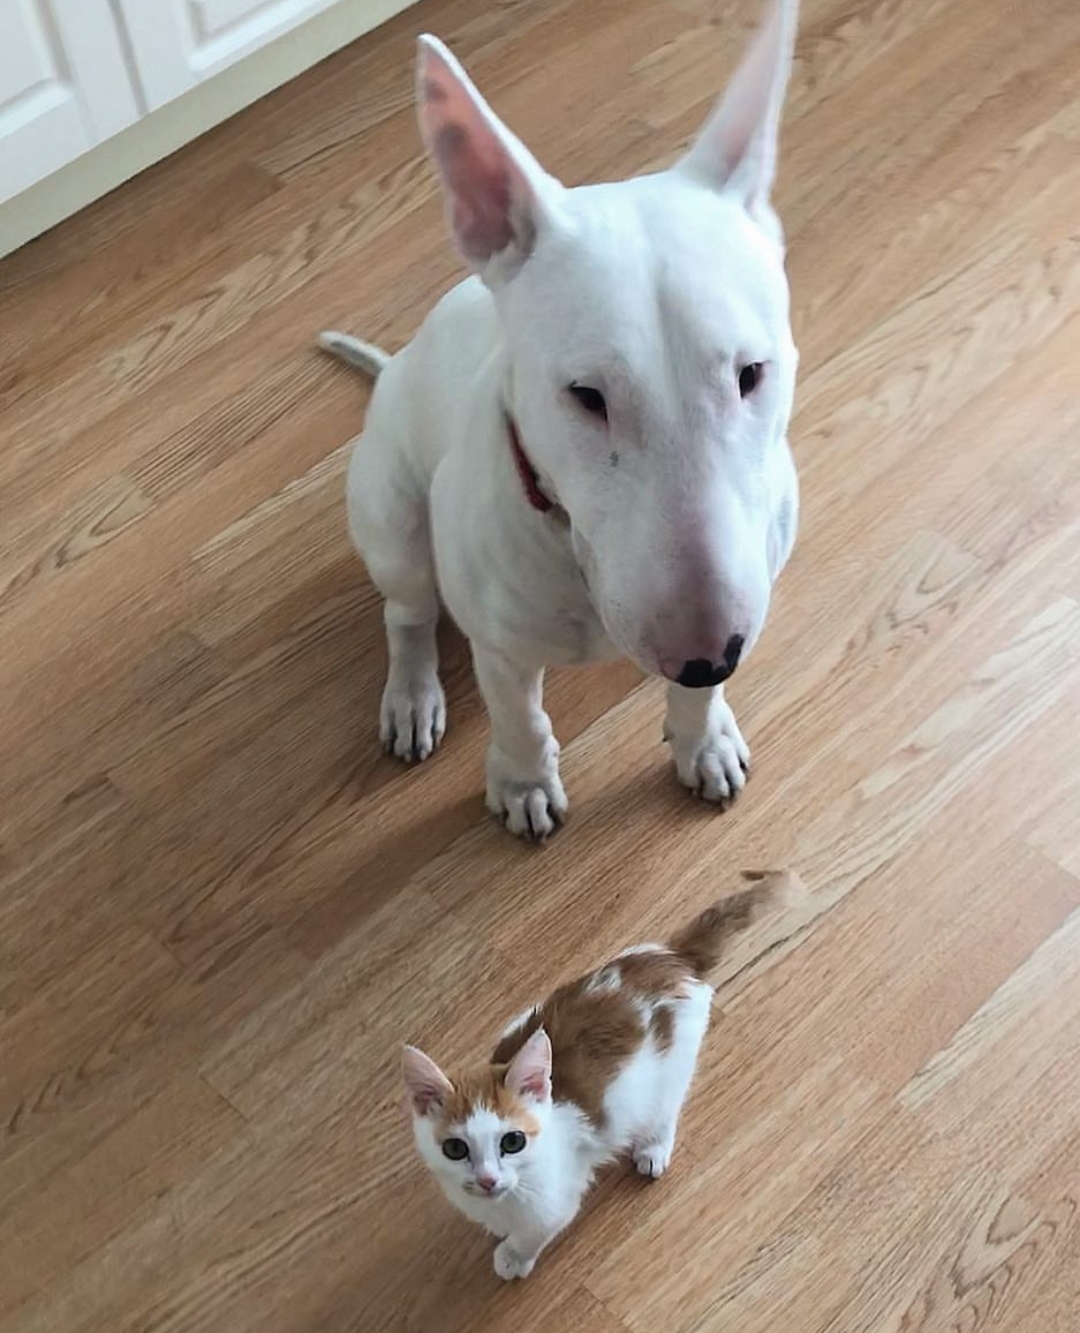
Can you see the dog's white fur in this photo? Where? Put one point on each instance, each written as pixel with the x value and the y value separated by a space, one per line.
pixel 675 506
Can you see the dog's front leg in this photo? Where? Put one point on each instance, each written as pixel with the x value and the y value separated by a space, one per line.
pixel 711 757
pixel 523 786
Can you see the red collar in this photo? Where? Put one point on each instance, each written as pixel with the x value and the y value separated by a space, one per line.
pixel 526 471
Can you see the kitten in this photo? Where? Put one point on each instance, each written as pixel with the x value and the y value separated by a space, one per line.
pixel 599 1069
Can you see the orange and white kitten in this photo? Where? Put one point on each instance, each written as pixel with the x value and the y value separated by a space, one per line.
pixel 601 1068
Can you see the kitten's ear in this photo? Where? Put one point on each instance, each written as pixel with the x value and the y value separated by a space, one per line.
pixel 497 194
pixel 529 1072
pixel 425 1082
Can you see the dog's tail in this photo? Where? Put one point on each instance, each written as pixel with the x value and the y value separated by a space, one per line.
pixel 704 942
pixel 365 356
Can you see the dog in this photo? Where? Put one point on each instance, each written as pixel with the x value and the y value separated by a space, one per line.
pixel 583 451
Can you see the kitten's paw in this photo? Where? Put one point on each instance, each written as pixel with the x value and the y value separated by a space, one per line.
pixel 531 803
pixel 713 765
pixel 412 719
pixel 509 1264
pixel 653 1159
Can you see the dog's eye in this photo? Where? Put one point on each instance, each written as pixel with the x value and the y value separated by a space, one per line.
pixel 750 378
pixel 512 1142
pixel 456 1149
pixel 592 400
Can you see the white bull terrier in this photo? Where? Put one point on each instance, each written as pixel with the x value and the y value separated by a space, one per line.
pixel 583 451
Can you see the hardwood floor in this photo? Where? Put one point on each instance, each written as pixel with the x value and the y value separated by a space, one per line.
pixel 222 910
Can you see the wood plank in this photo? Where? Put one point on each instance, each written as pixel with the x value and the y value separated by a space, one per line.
pixel 222 910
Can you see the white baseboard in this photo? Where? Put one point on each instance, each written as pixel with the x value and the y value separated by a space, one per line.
pixel 178 122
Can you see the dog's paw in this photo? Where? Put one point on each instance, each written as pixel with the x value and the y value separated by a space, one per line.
pixel 509 1264
pixel 530 804
pixel 653 1159
pixel 715 765
pixel 412 719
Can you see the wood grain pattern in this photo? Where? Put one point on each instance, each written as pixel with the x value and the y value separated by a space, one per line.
pixel 221 910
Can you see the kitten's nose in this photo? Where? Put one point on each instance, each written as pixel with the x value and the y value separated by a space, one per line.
pixel 700 673
pixel 486 1183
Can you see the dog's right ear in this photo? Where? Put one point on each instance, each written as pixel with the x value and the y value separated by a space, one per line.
pixel 497 194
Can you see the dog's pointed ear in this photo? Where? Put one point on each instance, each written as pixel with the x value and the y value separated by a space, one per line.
pixel 736 149
pixel 498 197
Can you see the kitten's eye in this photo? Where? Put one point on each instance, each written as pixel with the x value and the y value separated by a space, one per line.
pixel 750 378
pixel 512 1142
pixel 456 1149
pixel 592 400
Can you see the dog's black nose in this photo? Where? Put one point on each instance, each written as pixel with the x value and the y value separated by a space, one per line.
pixel 699 673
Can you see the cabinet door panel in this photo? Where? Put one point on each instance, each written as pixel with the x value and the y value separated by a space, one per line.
pixel 64 86
pixel 177 43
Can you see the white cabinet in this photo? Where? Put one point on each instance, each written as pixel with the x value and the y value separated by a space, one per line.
pixel 64 86
pixel 177 43
pixel 75 72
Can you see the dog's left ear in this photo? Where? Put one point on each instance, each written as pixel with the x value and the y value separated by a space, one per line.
pixel 497 194
pixel 736 149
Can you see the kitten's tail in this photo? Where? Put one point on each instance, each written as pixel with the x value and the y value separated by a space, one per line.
pixel 365 356
pixel 704 941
